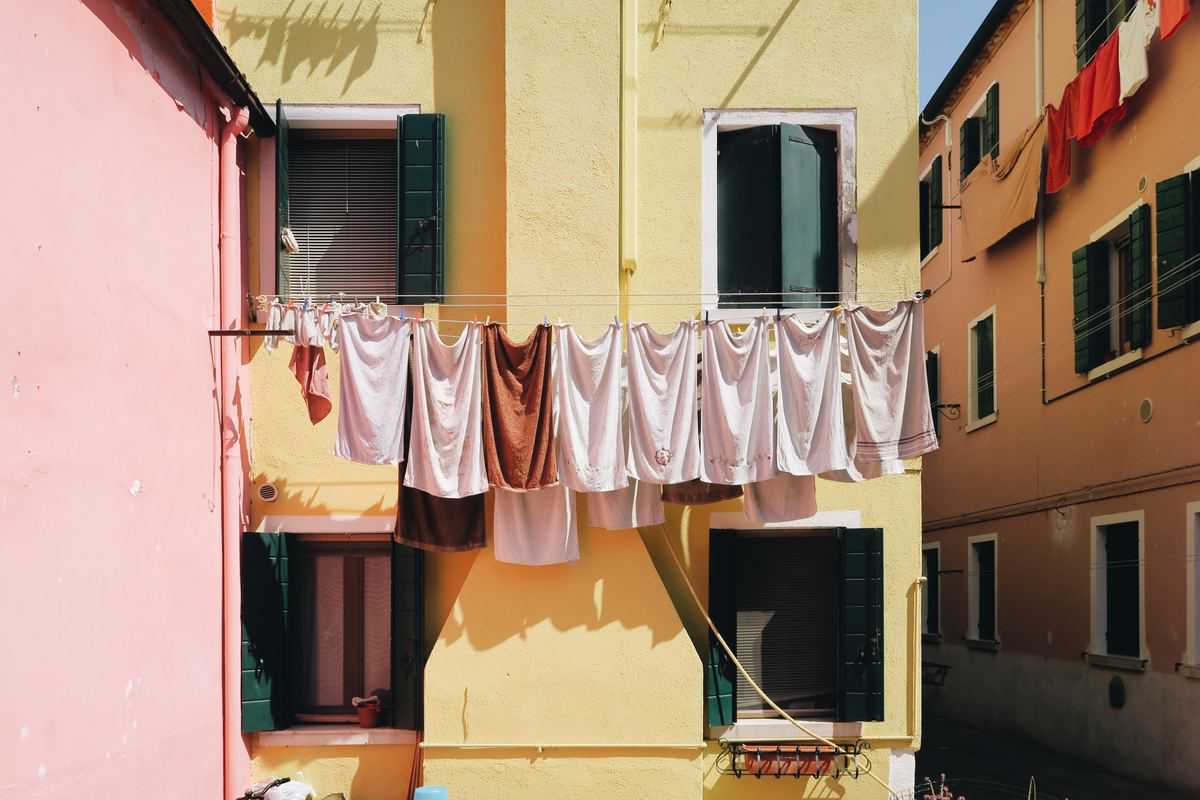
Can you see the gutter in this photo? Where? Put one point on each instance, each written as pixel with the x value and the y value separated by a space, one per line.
pixel 628 258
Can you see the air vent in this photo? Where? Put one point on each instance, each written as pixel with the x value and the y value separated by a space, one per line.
pixel 1146 410
pixel 1142 184
pixel 268 493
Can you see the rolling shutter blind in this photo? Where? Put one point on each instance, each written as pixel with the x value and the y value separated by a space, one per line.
pixel 1139 300
pixel 935 203
pixel 421 157
pixel 991 131
pixel 860 645
pixel 407 613
pixel 265 652
pixel 343 214
pixel 719 672
pixel 808 213
pixel 1173 211
pixel 748 217
pixel 282 275
pixel 786 623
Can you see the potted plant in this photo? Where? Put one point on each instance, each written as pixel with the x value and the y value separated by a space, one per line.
pixel 368 709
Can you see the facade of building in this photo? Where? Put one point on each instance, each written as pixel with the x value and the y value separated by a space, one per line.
pixel 1059 515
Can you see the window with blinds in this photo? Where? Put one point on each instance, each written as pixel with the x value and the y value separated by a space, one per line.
pixel 787 603
pixel 342 205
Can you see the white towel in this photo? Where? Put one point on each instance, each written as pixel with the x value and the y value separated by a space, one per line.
pixel 536 527
pixel 374 389
pixel 892 418
pixel 663 444
pixel 1133 38
pixel 637 505
pixel 591 446
pixel 784 498
pixel 446 446
pixel 737 442
pixel 280 317
pixel 811 433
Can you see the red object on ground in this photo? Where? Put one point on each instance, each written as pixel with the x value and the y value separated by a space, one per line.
pixel 1172 14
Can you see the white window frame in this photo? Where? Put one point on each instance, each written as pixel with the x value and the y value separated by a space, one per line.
pixel 1192 655
pixel 937 547
pixel 1098 582
pixel 974 421
pixel 841 121
pixel 1108 233
pixel 973 586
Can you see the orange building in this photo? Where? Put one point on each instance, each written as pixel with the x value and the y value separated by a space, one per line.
pixel 1062 512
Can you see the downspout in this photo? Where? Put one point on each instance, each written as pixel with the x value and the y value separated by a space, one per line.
pixel 1039 99
pixel 231 457
pixel 628 169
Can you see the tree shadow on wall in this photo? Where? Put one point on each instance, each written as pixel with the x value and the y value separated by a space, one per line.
pixel 314 37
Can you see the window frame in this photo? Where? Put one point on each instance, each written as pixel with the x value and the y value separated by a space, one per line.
pixel 974 421
pixel 928 635
pixel 1098 654
pixel 972 632
pixel 841 121
pixel 1112 233
pixel 977 111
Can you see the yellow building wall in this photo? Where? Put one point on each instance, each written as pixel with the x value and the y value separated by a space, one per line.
pixel 605 651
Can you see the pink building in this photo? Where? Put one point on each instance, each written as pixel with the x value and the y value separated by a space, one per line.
pixel 117 261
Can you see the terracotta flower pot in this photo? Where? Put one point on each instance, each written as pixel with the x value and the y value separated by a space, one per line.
pixel 368 716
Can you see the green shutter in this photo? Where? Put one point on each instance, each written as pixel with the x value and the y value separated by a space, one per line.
pixel 964 168
pixel 720 677
pixel 1139 277
pixel 1122 591
pixel 860 635
pixel 282 215
pixel 931 379
pixel 1082 29
pixel 1172 214
pixel 1092 322
pixel 985 367
pixel 925 213
pixel 421 212
pixel 935 203
pixel 265 653
pixel 1079 281
pixel 808 213
pixel 985 559
pixel 748 213
pixel 991 131
pixel 408 647
pixel 969 134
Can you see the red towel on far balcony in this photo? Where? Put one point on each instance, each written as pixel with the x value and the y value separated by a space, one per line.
pixel 1058 140
pixel 1098 98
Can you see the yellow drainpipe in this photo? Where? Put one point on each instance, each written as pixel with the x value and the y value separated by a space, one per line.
pixel 628 170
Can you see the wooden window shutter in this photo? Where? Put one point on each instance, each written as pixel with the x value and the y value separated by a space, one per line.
pixel 720 707
pixel 1090 280
pixel 931 378
pixel 808 213
pixel 991 132
pixel 408 643
pixel 935 203
pixel 266 701
pixel 964 166
pixel 1173 211
pixel 282 215
pixel 923 203
pixel 748 216
pixel 985 558
pixel 1141 309
pixel 860 645
pixel 421 210
pixel 1082 29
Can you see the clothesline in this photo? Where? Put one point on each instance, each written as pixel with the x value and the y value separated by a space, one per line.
pixel 677 297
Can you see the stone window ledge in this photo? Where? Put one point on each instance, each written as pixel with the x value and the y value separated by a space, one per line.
pixel 332 735
pixel 1123 663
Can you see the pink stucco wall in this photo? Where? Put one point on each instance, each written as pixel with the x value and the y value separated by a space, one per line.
pixel 110 548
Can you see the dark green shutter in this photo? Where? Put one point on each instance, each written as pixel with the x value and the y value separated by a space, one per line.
pixel 925 212
pixel 808 213
pixel 720 677
pixel 748 214
pixel 991 133
pixel 265 653
pixel 421 212
pixel 860 635
pixel 970 135
pixel 931 378
pixel 1139 277
pixel 282 215
pixel 1079 281
pixel 1122 593
pixel 985 560
pixel 1092 322
pixel 1082 29
pixel 408 646
pixel 964 133
pixel 985 367
pixel 935 203
pixel 1173 212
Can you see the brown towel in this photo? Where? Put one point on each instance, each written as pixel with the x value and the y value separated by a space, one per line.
pixel 436 523
pixel 697 492
pixel 518 410
pixel 308 365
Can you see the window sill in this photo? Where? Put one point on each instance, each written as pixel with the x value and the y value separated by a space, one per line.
pixel 1189 670
pixel 1115 364
pixel 931 638
pixel 984 645
pixel 1123 663
pixel 332 736
pixel 780 730
pixel 982 423
pixel 1190 331
pixel 930 256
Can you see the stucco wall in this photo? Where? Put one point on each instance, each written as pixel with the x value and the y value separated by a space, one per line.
pixel 111 540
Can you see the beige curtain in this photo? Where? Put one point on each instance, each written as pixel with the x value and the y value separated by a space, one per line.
pixel 1002 196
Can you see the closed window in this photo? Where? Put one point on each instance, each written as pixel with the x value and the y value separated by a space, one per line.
pixel 979 134
pixel 931 610
pixel 1177 219
pixel 982 373
pixel 1119 576
pixel 777 216
pixel 1112 298
pixel 1095 21
pixel 933 380
pixel 930 199
pixel 981 580
pixel 361 213
pixel 804 614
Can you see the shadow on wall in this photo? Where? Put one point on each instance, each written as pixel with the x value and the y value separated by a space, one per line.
pixel 315 37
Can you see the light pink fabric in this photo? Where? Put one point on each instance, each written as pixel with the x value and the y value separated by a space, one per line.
pixel 811 432
pixel 737 438
pixel 535 528
pixel 661 372
pixel 785 498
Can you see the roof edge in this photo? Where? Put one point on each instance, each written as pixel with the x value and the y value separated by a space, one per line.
pixel 987 29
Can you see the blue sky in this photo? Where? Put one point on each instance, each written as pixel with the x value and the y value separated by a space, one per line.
pixel 946 27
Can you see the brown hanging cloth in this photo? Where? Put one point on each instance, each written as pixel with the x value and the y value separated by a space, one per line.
pixel 697 492
pixel 518 410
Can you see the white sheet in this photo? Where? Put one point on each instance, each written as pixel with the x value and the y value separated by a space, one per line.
pixel 374 389
pixel 784 498
pixel 737 441
pixel 535 528
pixel 811 433
pixel 587 385
pixel 661 372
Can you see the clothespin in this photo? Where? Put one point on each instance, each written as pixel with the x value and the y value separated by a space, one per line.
pixel 616 320
pixel 705 317
pixel 546 320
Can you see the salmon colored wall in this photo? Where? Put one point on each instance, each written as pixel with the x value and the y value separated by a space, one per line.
pixel 111 545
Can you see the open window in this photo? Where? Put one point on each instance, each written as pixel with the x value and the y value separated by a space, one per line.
pixel 1095 21
pixel 979 134
pixel 1177 218
pixel 1117 587
pixel 930 199
pixel 931 603
pixel 803 612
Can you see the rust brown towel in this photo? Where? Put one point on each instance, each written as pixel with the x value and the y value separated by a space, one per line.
pixel 308 365
pixel 436 523
pixel 697 492
pixel 518 410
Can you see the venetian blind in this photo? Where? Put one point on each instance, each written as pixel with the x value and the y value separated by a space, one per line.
pixel 343 215
pixel 787 623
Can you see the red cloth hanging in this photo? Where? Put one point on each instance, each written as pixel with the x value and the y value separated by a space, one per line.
pixel 1098 94
pixel 308 365
pixel 1172 15
pixel 1058 140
